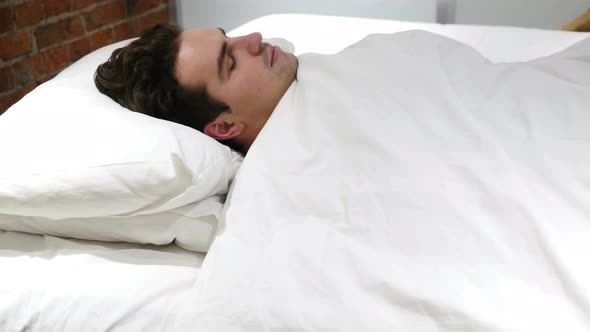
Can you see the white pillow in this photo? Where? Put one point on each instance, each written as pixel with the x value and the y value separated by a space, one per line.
pixel 71 153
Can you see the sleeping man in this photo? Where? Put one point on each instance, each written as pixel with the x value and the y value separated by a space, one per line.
pixel 224 87
pixel 407 172
pixel 412 84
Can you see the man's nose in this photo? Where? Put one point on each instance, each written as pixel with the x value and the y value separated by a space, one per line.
pixel 251 42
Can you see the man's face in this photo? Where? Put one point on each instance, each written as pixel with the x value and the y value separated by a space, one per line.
pixel 249 76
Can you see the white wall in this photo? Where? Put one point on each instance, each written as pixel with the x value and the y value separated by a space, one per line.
pixel 549 14
pixel 229 14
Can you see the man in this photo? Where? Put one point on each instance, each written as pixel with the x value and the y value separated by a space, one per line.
pixel 225 87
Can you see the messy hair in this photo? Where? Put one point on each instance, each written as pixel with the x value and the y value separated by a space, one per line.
pixel 140 77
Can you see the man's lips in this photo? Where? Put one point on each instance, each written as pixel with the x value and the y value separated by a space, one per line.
pixel 275 53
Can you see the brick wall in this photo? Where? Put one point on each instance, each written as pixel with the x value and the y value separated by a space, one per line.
pixel 39 38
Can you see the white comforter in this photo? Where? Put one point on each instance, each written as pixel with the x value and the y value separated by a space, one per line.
pixel 408 184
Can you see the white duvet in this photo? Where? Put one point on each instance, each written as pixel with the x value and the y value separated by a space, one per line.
pixel 408 184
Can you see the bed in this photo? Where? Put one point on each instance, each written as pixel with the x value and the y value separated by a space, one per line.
pixel 56 284
pixel 282 260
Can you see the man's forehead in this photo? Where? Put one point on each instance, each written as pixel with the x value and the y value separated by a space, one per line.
pixel 197 56
pixel 198 41
pixel 200 33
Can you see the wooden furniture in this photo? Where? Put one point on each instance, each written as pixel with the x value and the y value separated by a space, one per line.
pixel 580 23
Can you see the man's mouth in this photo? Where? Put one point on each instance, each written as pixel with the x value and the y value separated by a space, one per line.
pixel 275 54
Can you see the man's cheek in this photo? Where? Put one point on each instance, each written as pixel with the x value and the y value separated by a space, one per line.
pixel 251 79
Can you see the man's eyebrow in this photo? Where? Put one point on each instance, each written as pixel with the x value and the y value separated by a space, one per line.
pixel 221 55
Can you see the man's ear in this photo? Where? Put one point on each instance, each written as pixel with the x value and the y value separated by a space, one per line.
pixel 222 130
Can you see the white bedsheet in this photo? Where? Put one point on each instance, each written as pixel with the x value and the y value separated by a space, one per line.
pixel 410 185
pixel 52 284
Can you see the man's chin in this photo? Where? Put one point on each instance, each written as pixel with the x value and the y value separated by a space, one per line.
pixel 294 62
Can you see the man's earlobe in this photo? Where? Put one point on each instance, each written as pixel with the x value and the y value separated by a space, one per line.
pixel 222 130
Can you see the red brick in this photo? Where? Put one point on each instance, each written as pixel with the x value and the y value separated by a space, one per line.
pixel 79 4
pixel 144 5
pixel 28 13
pixel 6 23
pixel 101 38
pixel 56 7
pixel 56 59
pixel 15 44
pixel 10 99
pixel 124 31
pixel 22 92
pixel 79 48
pixel 105 14
pixel 63 30
pixel 5 102
pixel 28 70
pixel 47 78
pixel 151 19
pixel 7 81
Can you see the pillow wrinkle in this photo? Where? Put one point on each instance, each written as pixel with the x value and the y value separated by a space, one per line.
pixel 189 191
pixel 181 174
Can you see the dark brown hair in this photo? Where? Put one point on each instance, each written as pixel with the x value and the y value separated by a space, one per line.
pixel 140 77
